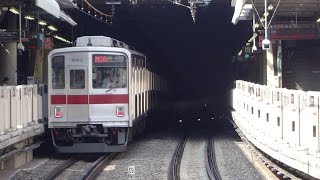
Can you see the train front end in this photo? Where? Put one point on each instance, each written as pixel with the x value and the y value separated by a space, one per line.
pixel 89 99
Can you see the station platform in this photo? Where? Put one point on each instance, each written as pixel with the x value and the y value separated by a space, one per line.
pixel 282 123
pixel 22 118
pixel 17 147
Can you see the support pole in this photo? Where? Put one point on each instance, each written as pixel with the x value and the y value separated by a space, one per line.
pixel 254 47
pixel 266 19
pixel 20 14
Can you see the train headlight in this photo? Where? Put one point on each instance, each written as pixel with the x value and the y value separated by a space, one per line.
pixel 120 111
pixel 198 119
pixel 58 113
pixel 180 121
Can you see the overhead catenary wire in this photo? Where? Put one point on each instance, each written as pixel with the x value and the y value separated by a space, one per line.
pixel 99 19
pixel 254 7
pixel 179 4
pixel 274 12
pixel 90 5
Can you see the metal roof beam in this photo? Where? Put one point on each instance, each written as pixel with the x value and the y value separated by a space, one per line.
pixel 242 11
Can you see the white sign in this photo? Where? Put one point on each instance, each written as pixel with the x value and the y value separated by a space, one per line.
pixel 131 170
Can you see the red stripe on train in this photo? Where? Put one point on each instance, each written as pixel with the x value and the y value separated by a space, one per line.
pixel 93 99
pixel 77 99
pixel 58 99
pixel 109 99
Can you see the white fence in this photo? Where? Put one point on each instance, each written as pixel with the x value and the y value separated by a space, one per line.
pixel 281 122
pixel 21 106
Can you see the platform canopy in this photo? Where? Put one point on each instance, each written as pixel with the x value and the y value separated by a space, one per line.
pixel 50 6
pixel 288 9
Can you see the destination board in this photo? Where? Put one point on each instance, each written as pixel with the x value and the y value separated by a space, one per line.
pixel 109 60
pixel 292 31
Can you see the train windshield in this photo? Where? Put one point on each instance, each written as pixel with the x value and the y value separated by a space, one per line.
pixel 109 71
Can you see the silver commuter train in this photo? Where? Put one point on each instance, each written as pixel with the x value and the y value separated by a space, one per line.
pixel 99 94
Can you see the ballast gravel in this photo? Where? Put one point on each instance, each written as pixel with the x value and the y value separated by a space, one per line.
pixel 147 159
pixel 150 158
pixel 231 161
pixel 38 172
pixel 193 166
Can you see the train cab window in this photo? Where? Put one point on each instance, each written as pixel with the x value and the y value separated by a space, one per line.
pixel 58 72
pixel 109 71
pixel 77 79
pixel 109 77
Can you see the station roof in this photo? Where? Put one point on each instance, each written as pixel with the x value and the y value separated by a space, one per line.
pixel 295 9
pixel 155 2
pixel 50 9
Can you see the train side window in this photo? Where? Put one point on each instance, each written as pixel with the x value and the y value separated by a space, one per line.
pixel 58 72
pixel 77 79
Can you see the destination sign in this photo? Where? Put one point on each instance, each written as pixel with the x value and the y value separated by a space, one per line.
pixel 100 59
pixel 109 60
pixel 292 31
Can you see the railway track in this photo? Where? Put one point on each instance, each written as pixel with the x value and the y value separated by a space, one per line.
pixel 211 164
pixel 176 160
pixel 88 173
pixel 55 172
pixel 279 171
pixel 97 167
pixel 276 169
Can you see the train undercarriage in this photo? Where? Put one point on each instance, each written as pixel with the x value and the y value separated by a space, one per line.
pixel 89 138
pixel 94 138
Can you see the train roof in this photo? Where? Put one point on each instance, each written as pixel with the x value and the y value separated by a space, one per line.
pixel 101 41
pixel 96 43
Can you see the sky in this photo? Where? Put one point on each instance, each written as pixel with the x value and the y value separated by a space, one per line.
pixel 195 58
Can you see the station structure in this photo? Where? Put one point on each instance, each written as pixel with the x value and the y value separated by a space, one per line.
pixel 276 99
pixel 28 31
pixel 275 104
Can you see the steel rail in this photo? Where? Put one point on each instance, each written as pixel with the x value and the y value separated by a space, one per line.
pixel 93 171
pixel 268 162
pixel 211 164
pixel 55 172
pixel 265 160
pixel 176 160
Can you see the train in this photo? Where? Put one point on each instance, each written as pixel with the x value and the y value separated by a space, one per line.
pixel 100 92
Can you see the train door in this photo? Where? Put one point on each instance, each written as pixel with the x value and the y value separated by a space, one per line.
pixel 77 93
